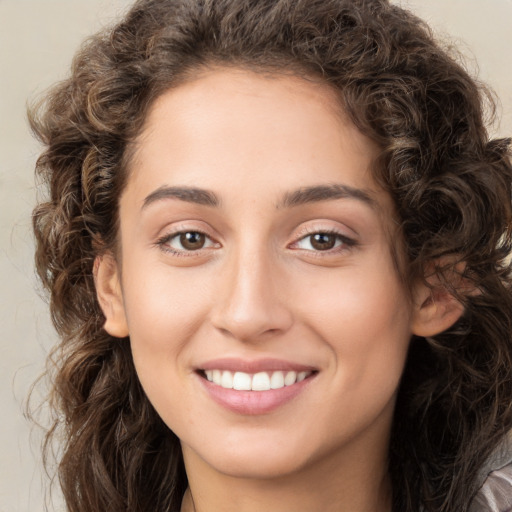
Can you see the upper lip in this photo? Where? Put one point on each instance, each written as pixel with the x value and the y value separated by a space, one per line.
pixel 254 366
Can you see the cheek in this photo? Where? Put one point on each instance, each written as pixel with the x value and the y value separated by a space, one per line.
pixel 365 324
pixel 363 315
pixel 166 301
pixel 356 303
pixel 164 309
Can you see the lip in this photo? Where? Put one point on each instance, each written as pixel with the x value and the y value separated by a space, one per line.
pixel 254 402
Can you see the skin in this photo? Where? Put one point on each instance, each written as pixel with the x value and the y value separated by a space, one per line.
pixel 258 288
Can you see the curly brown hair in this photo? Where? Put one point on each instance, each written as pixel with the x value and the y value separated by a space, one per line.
pixel 450 184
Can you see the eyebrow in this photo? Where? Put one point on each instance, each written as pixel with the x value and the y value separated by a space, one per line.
pixel 327 192
pixel 303 195
pixel 188 194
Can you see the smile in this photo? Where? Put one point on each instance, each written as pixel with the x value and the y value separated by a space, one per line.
pixel 254 387
pixel 261 381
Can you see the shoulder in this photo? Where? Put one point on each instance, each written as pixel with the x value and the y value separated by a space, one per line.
pixel 495 493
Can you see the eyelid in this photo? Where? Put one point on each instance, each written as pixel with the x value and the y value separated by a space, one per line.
pixel 348 242
pixel 162 241
pixel 322 226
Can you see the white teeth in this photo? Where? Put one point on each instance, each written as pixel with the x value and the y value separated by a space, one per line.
pixel 217 377
pixel 242 381
pixel 290 378
pixel 277 380
pixel 301 376
pixel 262 381
pixel 227 380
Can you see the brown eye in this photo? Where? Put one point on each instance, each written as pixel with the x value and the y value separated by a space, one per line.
pixel 192 240
pixel 323 241
pixel 186 243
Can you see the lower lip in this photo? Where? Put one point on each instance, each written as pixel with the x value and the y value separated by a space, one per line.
pixel 254 402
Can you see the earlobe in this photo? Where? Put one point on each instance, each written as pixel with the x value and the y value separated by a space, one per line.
pixel 110 298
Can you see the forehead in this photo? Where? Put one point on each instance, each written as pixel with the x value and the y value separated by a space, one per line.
pixel 242 122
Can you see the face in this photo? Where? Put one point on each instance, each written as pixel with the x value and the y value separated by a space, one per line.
pixel 257 283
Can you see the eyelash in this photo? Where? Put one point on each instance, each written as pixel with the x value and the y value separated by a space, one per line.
pixel 163 243
pixel 346 242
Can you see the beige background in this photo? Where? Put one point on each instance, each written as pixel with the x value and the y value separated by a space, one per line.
pixel 37 41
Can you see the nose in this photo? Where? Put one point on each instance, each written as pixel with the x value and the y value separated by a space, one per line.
pixel 252 303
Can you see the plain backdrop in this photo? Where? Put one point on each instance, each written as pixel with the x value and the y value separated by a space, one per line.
pixel 37 41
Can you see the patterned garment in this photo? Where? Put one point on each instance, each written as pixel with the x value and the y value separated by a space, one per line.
pixel 495 494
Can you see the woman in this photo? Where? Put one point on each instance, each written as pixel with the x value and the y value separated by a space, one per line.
pixel 275 246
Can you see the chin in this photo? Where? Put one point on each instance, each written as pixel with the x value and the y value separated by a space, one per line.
pixel 251 458
pixel 259 467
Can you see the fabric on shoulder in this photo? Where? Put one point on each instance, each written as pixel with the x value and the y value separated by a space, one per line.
pixel 495 494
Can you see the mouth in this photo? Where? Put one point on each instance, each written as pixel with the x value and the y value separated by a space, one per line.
pixel 260 381
pixel 257 387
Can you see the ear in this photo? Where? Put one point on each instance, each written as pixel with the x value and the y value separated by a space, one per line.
pixel 435 307
pixel 110 297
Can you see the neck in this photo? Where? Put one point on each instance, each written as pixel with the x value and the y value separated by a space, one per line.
pixel 380 502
